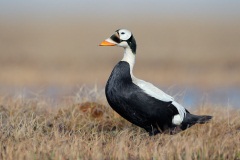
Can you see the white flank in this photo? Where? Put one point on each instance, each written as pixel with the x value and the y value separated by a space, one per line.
pixel 177 120
pixel 151 90
pixel 181 110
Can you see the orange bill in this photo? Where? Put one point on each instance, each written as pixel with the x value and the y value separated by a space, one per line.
pixel 106 43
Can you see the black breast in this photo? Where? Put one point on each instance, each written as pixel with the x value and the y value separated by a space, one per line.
pixel 129 100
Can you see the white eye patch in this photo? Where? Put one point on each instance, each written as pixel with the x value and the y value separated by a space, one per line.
pixel 124 34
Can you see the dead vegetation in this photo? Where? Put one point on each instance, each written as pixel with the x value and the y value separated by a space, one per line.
pixel 31 129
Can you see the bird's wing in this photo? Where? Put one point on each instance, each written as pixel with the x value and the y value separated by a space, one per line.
pixel 155 92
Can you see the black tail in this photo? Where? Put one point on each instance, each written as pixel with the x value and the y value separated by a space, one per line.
pixel 191 119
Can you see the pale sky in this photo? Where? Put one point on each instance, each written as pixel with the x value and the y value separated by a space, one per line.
pixel 130 8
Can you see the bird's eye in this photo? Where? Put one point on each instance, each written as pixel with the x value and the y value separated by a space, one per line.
pixel 122 33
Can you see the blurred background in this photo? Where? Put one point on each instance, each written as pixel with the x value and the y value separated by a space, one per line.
pixel 191 45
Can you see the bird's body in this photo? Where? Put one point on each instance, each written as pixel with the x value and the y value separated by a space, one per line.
pixel 138 101
pixel 128 99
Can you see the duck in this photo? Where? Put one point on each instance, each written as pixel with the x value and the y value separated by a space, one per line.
pixel 140 102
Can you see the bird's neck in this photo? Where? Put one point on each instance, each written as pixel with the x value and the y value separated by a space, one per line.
pixel 129 57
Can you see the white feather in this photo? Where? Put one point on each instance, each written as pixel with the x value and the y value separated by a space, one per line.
pixel 177 120
pixel 181 109
pixel 130 58
pixel 124 34
pixel 151 90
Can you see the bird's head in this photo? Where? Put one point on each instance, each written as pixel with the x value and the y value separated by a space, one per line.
pixel 122 38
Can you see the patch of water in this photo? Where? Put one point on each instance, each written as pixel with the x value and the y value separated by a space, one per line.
pixel 189 97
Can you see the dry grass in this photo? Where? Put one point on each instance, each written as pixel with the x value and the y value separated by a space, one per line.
pixel 79 129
